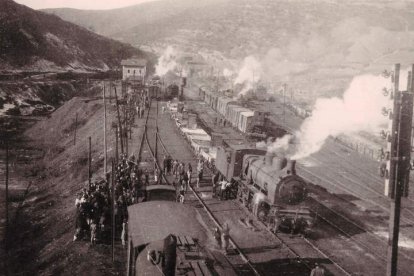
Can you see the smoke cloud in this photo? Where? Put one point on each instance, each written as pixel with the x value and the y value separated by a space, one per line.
pixel 359 109
pixel 167 62
pixel 249 74
pixel 227 73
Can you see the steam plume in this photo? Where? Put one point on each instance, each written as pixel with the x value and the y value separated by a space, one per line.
pixel 167 62
pixel 249 74
pixel 359 109
pixel 227 72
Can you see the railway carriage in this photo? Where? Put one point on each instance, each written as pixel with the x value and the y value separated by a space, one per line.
pixel 267 184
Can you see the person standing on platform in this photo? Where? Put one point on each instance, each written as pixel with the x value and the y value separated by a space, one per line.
pixel 317 271
pixel 189 177
pixel 156 175
pixel 217 236
pixel 124 232
pixel 199 173
pixel 185 181
pixel 214 181
pixel 174 169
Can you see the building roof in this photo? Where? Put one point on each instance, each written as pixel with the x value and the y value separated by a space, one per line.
pixel 134 62
pixel 154 220
pixel 248 113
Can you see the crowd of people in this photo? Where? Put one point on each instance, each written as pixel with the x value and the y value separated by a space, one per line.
pixel 93 204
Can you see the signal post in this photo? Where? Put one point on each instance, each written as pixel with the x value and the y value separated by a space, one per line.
pixel 397 158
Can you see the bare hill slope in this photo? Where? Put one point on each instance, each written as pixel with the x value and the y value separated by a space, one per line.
pixel 34 40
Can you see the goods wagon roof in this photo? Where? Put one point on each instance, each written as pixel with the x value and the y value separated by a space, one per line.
pixel 196 131
pixel 154 220
pixel 247 113
pixel 225 99
pixel 238 144
pixel 239 108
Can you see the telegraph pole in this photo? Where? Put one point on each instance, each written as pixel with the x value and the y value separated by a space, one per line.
pixel 105 148
pixel 90 162
pixel 398 161
pixel 113 212
pixel 6 242
pixel 284 102
pixel 119 121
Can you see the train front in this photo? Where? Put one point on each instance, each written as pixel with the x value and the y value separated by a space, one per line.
pixel 280 195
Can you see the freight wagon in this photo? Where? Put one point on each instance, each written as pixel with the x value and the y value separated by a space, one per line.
pixel 244 119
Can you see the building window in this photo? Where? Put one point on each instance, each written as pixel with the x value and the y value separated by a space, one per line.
pixel 128 71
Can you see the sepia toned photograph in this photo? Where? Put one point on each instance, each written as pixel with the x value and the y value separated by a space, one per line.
pixel 206 137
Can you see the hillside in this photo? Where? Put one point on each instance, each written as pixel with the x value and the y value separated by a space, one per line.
pixel 315 46
pixel 34 40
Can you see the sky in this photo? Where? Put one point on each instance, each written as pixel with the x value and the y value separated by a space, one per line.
pixel 80 4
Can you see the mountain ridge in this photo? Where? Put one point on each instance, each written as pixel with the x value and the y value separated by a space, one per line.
pixel 35 40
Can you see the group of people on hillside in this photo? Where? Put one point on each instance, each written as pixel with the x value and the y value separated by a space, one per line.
pixel 93 204
pixel 92 210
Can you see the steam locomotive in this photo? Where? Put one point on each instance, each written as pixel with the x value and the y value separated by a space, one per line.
pixel 267 184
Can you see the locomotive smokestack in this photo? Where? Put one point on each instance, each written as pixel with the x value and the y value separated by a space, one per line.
pixel 291 167
pixel 269 158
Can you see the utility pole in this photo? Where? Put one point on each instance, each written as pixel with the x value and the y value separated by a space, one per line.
pixel 105 148
pixel 90 162
pixel 119 121
pixel 6 243
pixel 116 145
pixel 284 102
pixel 125 134
pixel 113 211
pixel 398 161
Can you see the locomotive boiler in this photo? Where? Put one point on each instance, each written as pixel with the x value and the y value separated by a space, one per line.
pixel 267 184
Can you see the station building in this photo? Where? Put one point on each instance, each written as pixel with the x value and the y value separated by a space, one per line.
pixel 134 70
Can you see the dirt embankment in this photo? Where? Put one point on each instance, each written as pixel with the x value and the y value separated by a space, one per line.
pixel 43 232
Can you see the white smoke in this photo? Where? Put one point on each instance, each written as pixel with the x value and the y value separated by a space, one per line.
pixel 360 109
pixel 167 62
pixel 281 144
pixel 227 73
pixel 249 74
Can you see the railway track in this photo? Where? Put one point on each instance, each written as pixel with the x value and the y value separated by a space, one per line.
pixel 291 246
pixel 348 229
pixel 366 177
pixel 210 214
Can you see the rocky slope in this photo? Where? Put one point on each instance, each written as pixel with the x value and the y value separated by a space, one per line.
pixel 34 40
